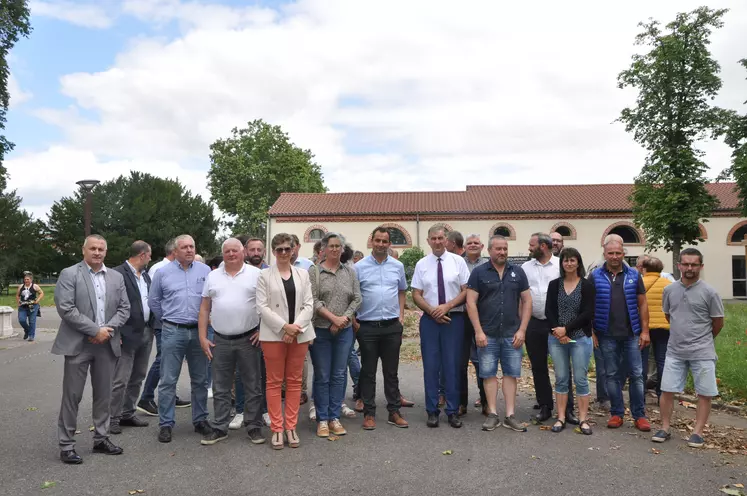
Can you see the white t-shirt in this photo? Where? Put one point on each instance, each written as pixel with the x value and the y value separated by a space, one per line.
pixel 539 277
pixel 154 268
pixel 234 300
pixel 456 275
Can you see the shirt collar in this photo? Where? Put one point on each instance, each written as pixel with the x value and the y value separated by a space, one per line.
pixel 223 268
pixel 442 257
pixel 132 268
pixel 90 270
pixel 549 262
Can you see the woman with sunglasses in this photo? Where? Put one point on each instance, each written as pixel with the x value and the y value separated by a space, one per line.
pixel 570 312
pixel 286 307
pixel 337 295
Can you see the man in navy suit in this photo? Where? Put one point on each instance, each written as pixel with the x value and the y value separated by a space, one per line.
pixel 137 341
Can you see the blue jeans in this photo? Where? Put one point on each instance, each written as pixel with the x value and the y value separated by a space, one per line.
pixel 176 344
pixel 563 356
pixel 329 356
pixel 601 373
pixel 211 338
pixel 441 348
pixel 27 319
pixel 354 365
pixel 621 356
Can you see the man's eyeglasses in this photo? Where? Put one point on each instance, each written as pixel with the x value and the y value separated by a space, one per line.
pixel 283 249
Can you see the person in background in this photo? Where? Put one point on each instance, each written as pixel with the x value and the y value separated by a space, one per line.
pixel 317 258
pixel 214 264
pixel 394 253
pixel 357 256
pixel 557 243
pixel 570 312
pixel 696 316
pixel 286 308
pixel 639 265
pixel 28 297
pixel 455 243
pixel 655 283
pixel 337 296
pixel 306 264
pixel 297 261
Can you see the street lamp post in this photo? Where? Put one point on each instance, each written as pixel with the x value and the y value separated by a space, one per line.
pixel 88 185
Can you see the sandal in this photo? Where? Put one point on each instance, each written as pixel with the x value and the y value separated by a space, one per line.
pixel 293 440
pixel 277 441
pixel 585 427
pixel 559 426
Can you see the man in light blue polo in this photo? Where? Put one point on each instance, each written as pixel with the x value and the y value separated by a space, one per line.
pixel 383 285
pixel 174 298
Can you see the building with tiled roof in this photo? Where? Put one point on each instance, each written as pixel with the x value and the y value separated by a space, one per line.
pixel 583 214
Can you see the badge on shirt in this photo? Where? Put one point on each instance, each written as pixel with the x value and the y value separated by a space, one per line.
pixel 513 275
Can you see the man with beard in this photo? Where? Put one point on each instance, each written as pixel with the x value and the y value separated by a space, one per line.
pixel 557 243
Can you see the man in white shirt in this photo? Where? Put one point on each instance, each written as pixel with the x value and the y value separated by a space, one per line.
pixel 229 305
pixel 439 287
pixel 540 270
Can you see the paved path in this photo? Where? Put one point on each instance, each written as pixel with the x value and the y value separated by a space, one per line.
pixel 383 462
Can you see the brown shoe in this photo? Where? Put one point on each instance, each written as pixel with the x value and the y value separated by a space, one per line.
pixel 369 423
pixel 462 411
pixel 358 406
pixel 304 398
pixel 405 402
pixel 336 428
pixel 396 420
pixel 322 428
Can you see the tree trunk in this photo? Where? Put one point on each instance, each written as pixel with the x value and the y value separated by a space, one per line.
pixel 676 248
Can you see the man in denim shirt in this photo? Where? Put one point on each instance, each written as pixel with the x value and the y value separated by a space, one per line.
pixel 174 298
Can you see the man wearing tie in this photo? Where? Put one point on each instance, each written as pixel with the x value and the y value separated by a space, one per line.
pixel 137 340
pixel 92 303
pixel 439 289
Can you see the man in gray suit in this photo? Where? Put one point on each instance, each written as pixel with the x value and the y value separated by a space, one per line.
pixel 93 304
pixel 137 340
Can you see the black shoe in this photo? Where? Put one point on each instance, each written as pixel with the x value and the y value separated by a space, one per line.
pixel 148 407
pixel 432 420
pixel 133 422
pixel 544 414
pixel 536 407
pixel 571 418
pixel 114 427
pixel 255 436
pixel 559 426
pixel 107 447
pixel 213 437
pixel 164 435
pixel 25 337
pixel 454 421
pixel 70 457
pixel 183 403
pixel 203 427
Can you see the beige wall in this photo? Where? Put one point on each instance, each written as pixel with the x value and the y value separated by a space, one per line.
pixel 717 254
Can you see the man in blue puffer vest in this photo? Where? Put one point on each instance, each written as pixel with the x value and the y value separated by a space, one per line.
pixel 621 331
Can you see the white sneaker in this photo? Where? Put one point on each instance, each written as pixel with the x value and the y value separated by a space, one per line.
pixel 237 422
pixel 312 412
pixel 347 411
pixel 266 418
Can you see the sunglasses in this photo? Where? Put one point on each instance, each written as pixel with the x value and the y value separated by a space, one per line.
pixel 283 249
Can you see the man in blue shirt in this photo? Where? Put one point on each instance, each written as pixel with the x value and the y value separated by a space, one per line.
pixel 380 316
pixel 175 297
pixel 497 292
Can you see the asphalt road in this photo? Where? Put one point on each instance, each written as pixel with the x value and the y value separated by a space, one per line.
pixel 385 461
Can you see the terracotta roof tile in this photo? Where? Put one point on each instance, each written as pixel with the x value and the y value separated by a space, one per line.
pixel 478 199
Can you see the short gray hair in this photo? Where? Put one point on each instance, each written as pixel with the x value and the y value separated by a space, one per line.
pixel 330 235
pixel 139 247
pixel 170 246
pixel 496 236
pixel 97 237
pixel 229 241
pixel 437 227
pixel 182 237
pixel 472 236
pixel 543 238
pixel 613 238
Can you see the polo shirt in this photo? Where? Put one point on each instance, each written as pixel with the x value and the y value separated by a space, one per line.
pixel 233 298
pixel 498 299
pixel 380 286
pixel 425 278
pixel 690 310
pixel 619 318
pixel 303 263
pixel 539 277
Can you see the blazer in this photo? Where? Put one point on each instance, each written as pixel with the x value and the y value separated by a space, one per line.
pixel 585 317
pixel 136 323
pixel 272 305
pixel 75 300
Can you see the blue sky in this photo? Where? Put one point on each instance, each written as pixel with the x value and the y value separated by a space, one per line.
pixel 419 95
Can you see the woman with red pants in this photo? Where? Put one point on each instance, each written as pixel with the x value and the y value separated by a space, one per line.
pixel 286 307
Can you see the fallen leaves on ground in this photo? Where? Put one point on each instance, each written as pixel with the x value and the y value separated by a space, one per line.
pixel 333 438
pixel 655 451
pixel 410 352
pixel 48 484
pixel 687 404
pixel 447 452
pixel 726 439
pixel 136 491
pixel 31 409
pixel 733 489
pixel 545 427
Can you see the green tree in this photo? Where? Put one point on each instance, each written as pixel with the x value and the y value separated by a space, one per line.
pixel 128 208
pixel 735 135
pixel 676 81
pixel 250 169
pixel 14 23
pixel 409 259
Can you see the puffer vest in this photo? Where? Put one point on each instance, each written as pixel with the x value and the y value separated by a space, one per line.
pixel 603 287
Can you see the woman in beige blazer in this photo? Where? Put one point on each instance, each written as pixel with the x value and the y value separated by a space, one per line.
pixel 286 307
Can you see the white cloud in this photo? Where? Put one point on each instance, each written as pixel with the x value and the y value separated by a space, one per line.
pixel 18 95
pixel 88 15
pixel 389 95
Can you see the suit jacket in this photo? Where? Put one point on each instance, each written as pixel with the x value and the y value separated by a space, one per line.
pixel 135 325
pixel 272 305
pixel 75 299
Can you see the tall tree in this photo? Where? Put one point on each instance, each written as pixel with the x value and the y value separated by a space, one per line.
pixel 735 135
pixel 676 81
pixel 128 208
pixel 250 169
pixel 14 23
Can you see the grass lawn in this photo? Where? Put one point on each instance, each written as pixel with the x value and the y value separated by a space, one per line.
pixel 731 347
pixel 10 300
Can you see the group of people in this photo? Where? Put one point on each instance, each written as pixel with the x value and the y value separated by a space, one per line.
pixel 247 329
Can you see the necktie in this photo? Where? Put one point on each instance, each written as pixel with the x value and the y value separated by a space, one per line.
pixel 441 285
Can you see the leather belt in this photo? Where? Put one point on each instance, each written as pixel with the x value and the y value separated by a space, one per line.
pixel 231 337
pixel 190 325
pixel 380 323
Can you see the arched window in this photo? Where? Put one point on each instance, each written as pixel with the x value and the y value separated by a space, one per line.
pixel 564 231
pixel 397 237
pixel 627 233
pixel 737 236
pixel 502 231
pixel 316 234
